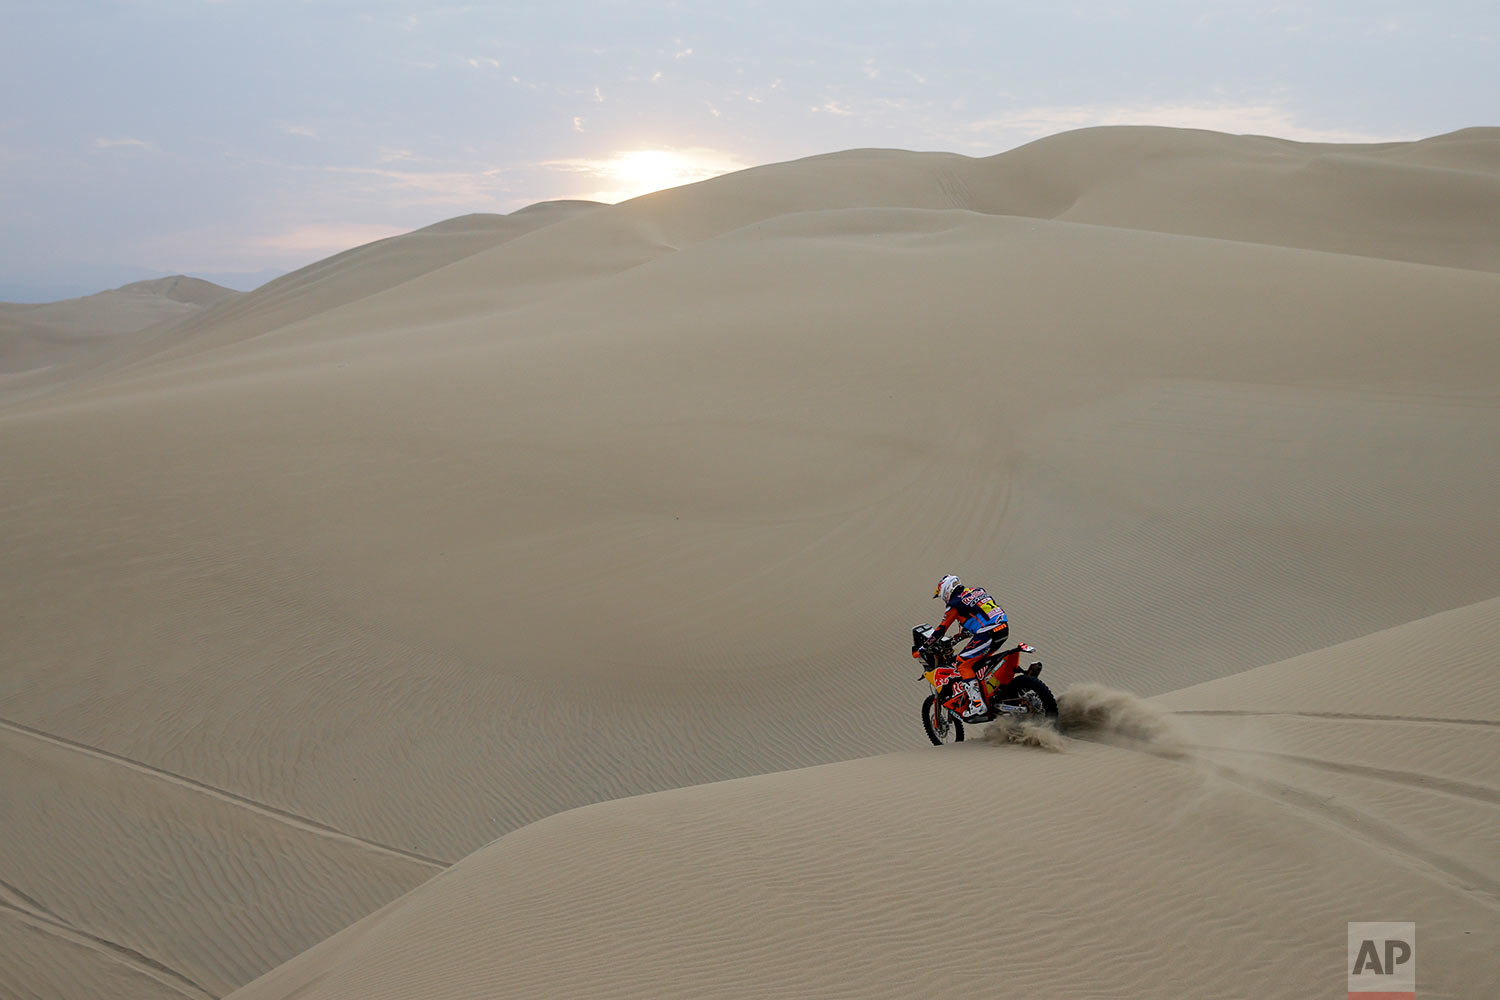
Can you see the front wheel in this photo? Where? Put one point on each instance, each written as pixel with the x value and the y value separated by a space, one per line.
pixel 940 724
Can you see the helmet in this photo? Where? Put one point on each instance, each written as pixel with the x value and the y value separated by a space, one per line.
pixel 946 586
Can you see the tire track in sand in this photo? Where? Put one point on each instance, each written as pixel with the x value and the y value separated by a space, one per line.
pixel 111 950
pixel 1409 779
pixel 1350 716
pixel 1367 828
pixel 14 899
pixel 223 795
pixel 1360 825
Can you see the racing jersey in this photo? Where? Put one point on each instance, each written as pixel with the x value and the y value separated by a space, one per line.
pixel 973 608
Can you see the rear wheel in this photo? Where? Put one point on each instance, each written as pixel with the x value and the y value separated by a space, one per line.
pixel 1036 696
pixel 941 725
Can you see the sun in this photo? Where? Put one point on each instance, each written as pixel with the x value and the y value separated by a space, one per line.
pixel 651 169
pixel 634 172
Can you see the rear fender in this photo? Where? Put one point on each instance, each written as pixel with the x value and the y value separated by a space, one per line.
pixel 1003 672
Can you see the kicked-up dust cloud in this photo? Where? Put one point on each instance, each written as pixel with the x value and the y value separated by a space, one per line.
pixel 1093 711
pixel 1099 713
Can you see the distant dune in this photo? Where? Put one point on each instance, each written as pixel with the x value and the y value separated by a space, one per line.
pixel 47 339
pixel 516 526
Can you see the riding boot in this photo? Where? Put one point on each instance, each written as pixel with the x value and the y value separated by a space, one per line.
pixel 976 698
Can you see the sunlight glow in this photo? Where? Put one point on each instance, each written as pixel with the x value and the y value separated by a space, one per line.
pixel 631 173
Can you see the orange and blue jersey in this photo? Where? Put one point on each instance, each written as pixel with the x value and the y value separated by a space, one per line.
pixel 974 609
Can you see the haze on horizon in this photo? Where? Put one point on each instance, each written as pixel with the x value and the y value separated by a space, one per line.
pixel 236 140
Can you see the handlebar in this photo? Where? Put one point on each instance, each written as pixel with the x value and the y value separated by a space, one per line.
pixel 947 643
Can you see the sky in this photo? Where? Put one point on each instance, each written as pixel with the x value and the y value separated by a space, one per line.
pixel 240 139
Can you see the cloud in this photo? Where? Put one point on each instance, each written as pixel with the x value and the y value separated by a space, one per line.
pixel 306 131
pixel 832 108
pixel 125 144
pixel 1258 119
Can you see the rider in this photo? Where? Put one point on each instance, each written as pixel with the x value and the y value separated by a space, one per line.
pixel 985 622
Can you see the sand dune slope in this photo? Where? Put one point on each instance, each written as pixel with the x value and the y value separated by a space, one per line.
pixel 46 960
pixel 53 335
pixel 1433 201
pixel 1439 669
pixel 347 277
pixel 167 878
pixel 1394 735
pixel 405 553
pixel 1109 869
pixel 364 514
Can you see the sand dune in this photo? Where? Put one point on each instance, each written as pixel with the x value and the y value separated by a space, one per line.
pixel 42 341
pixel 1109 869
pixel 353 574
pixel 1428 202
pixel 354 274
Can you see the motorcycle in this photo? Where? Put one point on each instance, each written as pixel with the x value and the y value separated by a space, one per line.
pixel 1009 692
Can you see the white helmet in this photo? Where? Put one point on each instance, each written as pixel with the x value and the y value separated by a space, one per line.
pixel 946 586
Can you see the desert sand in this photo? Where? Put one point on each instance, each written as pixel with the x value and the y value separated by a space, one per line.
pixel 522 605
